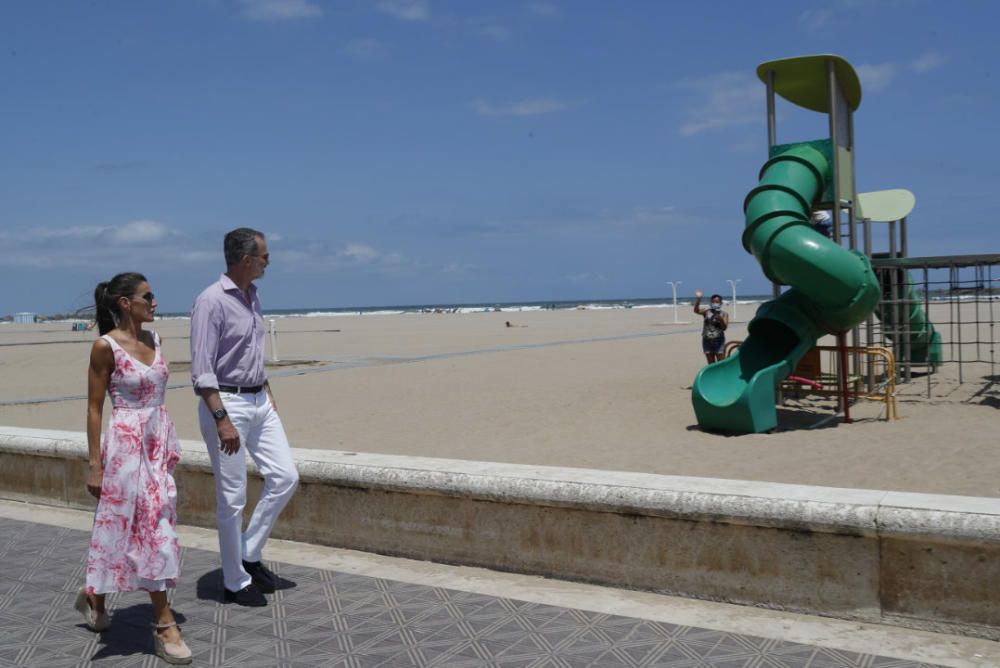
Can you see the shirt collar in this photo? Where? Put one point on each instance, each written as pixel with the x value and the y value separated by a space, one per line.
pixel 229 286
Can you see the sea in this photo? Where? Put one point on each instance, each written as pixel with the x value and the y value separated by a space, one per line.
pixel 486 307
pixel 506 307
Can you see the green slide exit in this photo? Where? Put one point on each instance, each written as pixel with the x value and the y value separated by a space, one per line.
pixel 833 289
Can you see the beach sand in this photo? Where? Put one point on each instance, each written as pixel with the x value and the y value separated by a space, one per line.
pixel 600 389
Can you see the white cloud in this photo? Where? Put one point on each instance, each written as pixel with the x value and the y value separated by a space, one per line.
pixel 497 33
pixel 280 10
pixel 722 100
pixel 406 10
pixel 198 256
pixel 139 232
pixel 534 107
pixel 363 49
pixel 817 20
pixel 360 254
pixel 876 77
pixel 459 269
pixel 926 62
pixel 647 217
pixel 321 257
pixel 586 278
pixel 543 9
pixel 83 245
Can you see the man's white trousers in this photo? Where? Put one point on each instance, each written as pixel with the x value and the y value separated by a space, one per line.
pixel 263 437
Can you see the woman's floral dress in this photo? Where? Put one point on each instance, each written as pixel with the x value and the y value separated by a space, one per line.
pixel 134 542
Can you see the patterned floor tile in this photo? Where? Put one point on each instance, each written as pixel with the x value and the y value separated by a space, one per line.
pixel 341 620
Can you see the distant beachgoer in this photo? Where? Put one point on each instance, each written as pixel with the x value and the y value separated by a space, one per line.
pixel 508 324
pixel 133 544
pixel 238 409
pixel 713 332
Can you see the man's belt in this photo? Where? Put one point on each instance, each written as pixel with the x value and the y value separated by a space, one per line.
pixel 241 389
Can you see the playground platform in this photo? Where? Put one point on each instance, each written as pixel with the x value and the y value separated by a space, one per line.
pixel 344 608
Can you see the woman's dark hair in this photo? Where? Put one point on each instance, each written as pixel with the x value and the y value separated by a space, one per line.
pixel 107 294
pixel 241 241
pixel 719 297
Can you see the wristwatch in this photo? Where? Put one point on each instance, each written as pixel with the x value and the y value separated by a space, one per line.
pixel 219 414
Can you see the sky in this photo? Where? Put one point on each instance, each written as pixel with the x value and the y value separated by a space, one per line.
pixel 434 152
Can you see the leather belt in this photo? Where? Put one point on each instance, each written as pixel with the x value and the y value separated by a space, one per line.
pixel 241 389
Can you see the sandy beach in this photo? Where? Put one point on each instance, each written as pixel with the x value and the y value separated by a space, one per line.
pixel 601 389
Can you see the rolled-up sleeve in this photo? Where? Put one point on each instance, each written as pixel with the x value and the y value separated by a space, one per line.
pixel 206 324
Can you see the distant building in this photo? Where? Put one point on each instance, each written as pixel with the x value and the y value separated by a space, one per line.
pixel 24 317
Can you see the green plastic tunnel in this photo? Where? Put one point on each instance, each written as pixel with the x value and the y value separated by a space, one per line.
pixel 925 341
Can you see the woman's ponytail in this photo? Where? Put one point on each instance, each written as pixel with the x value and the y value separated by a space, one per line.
pixel 104 314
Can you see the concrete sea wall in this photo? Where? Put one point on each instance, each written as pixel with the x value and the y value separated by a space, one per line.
pixel 928 561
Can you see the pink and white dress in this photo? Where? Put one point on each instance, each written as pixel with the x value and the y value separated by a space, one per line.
pixel 134 542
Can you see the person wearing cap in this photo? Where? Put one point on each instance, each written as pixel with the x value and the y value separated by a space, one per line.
pixel 713 332
pixel 237 415
pixel 822 222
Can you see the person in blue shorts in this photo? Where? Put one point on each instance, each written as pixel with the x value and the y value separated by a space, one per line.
pixel 713 332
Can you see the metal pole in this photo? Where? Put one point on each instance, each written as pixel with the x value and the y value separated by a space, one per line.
pixel 732 284
pixel 978 269
pixel 673 288
pixel 927 312
pixel 844 393
pixel 989 294
pixel 894 328
pixel 772 139
pixel 959 326
pixel 904 246
pixel 274 341
pixel 904 251
pixel 869 321
pixel 831 82
pixel 952 281
pixel 907 317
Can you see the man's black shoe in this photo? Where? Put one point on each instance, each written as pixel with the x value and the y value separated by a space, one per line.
pixel 265 580
pixel 249 596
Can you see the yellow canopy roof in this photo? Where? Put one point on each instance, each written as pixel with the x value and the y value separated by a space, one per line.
pixel 802 80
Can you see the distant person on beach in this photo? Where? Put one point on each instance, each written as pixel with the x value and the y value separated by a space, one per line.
pixel 713 331
pixel 238 414
pixel 133 544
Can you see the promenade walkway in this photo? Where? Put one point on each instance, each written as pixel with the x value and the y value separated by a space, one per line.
pixel 341 608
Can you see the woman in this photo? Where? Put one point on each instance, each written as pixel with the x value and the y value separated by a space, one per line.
pixel 134 542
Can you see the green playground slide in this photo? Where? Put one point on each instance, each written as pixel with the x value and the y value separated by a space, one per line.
pixel 833 289
pixel 925 341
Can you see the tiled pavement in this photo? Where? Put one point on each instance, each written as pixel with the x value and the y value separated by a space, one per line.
pixel 328 618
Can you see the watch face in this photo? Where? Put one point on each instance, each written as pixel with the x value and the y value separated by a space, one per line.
pixel 219 414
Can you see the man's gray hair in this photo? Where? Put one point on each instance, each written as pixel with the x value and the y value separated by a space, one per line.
pixel 241 241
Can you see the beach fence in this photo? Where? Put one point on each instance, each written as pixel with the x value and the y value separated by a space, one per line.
pixel 917 560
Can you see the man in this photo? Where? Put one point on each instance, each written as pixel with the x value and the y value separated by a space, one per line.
pixel 237 414
pixel 713 332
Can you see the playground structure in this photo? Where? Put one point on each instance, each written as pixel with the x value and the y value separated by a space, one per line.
pixel 809 377
pixel 834 289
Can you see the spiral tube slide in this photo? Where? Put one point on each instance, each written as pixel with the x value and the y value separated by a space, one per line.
pixel 925 341
pixel 833 290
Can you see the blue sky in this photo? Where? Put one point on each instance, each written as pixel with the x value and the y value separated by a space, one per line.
pixel 423 151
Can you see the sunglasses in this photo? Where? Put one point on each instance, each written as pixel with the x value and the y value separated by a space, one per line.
pixel 148 297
